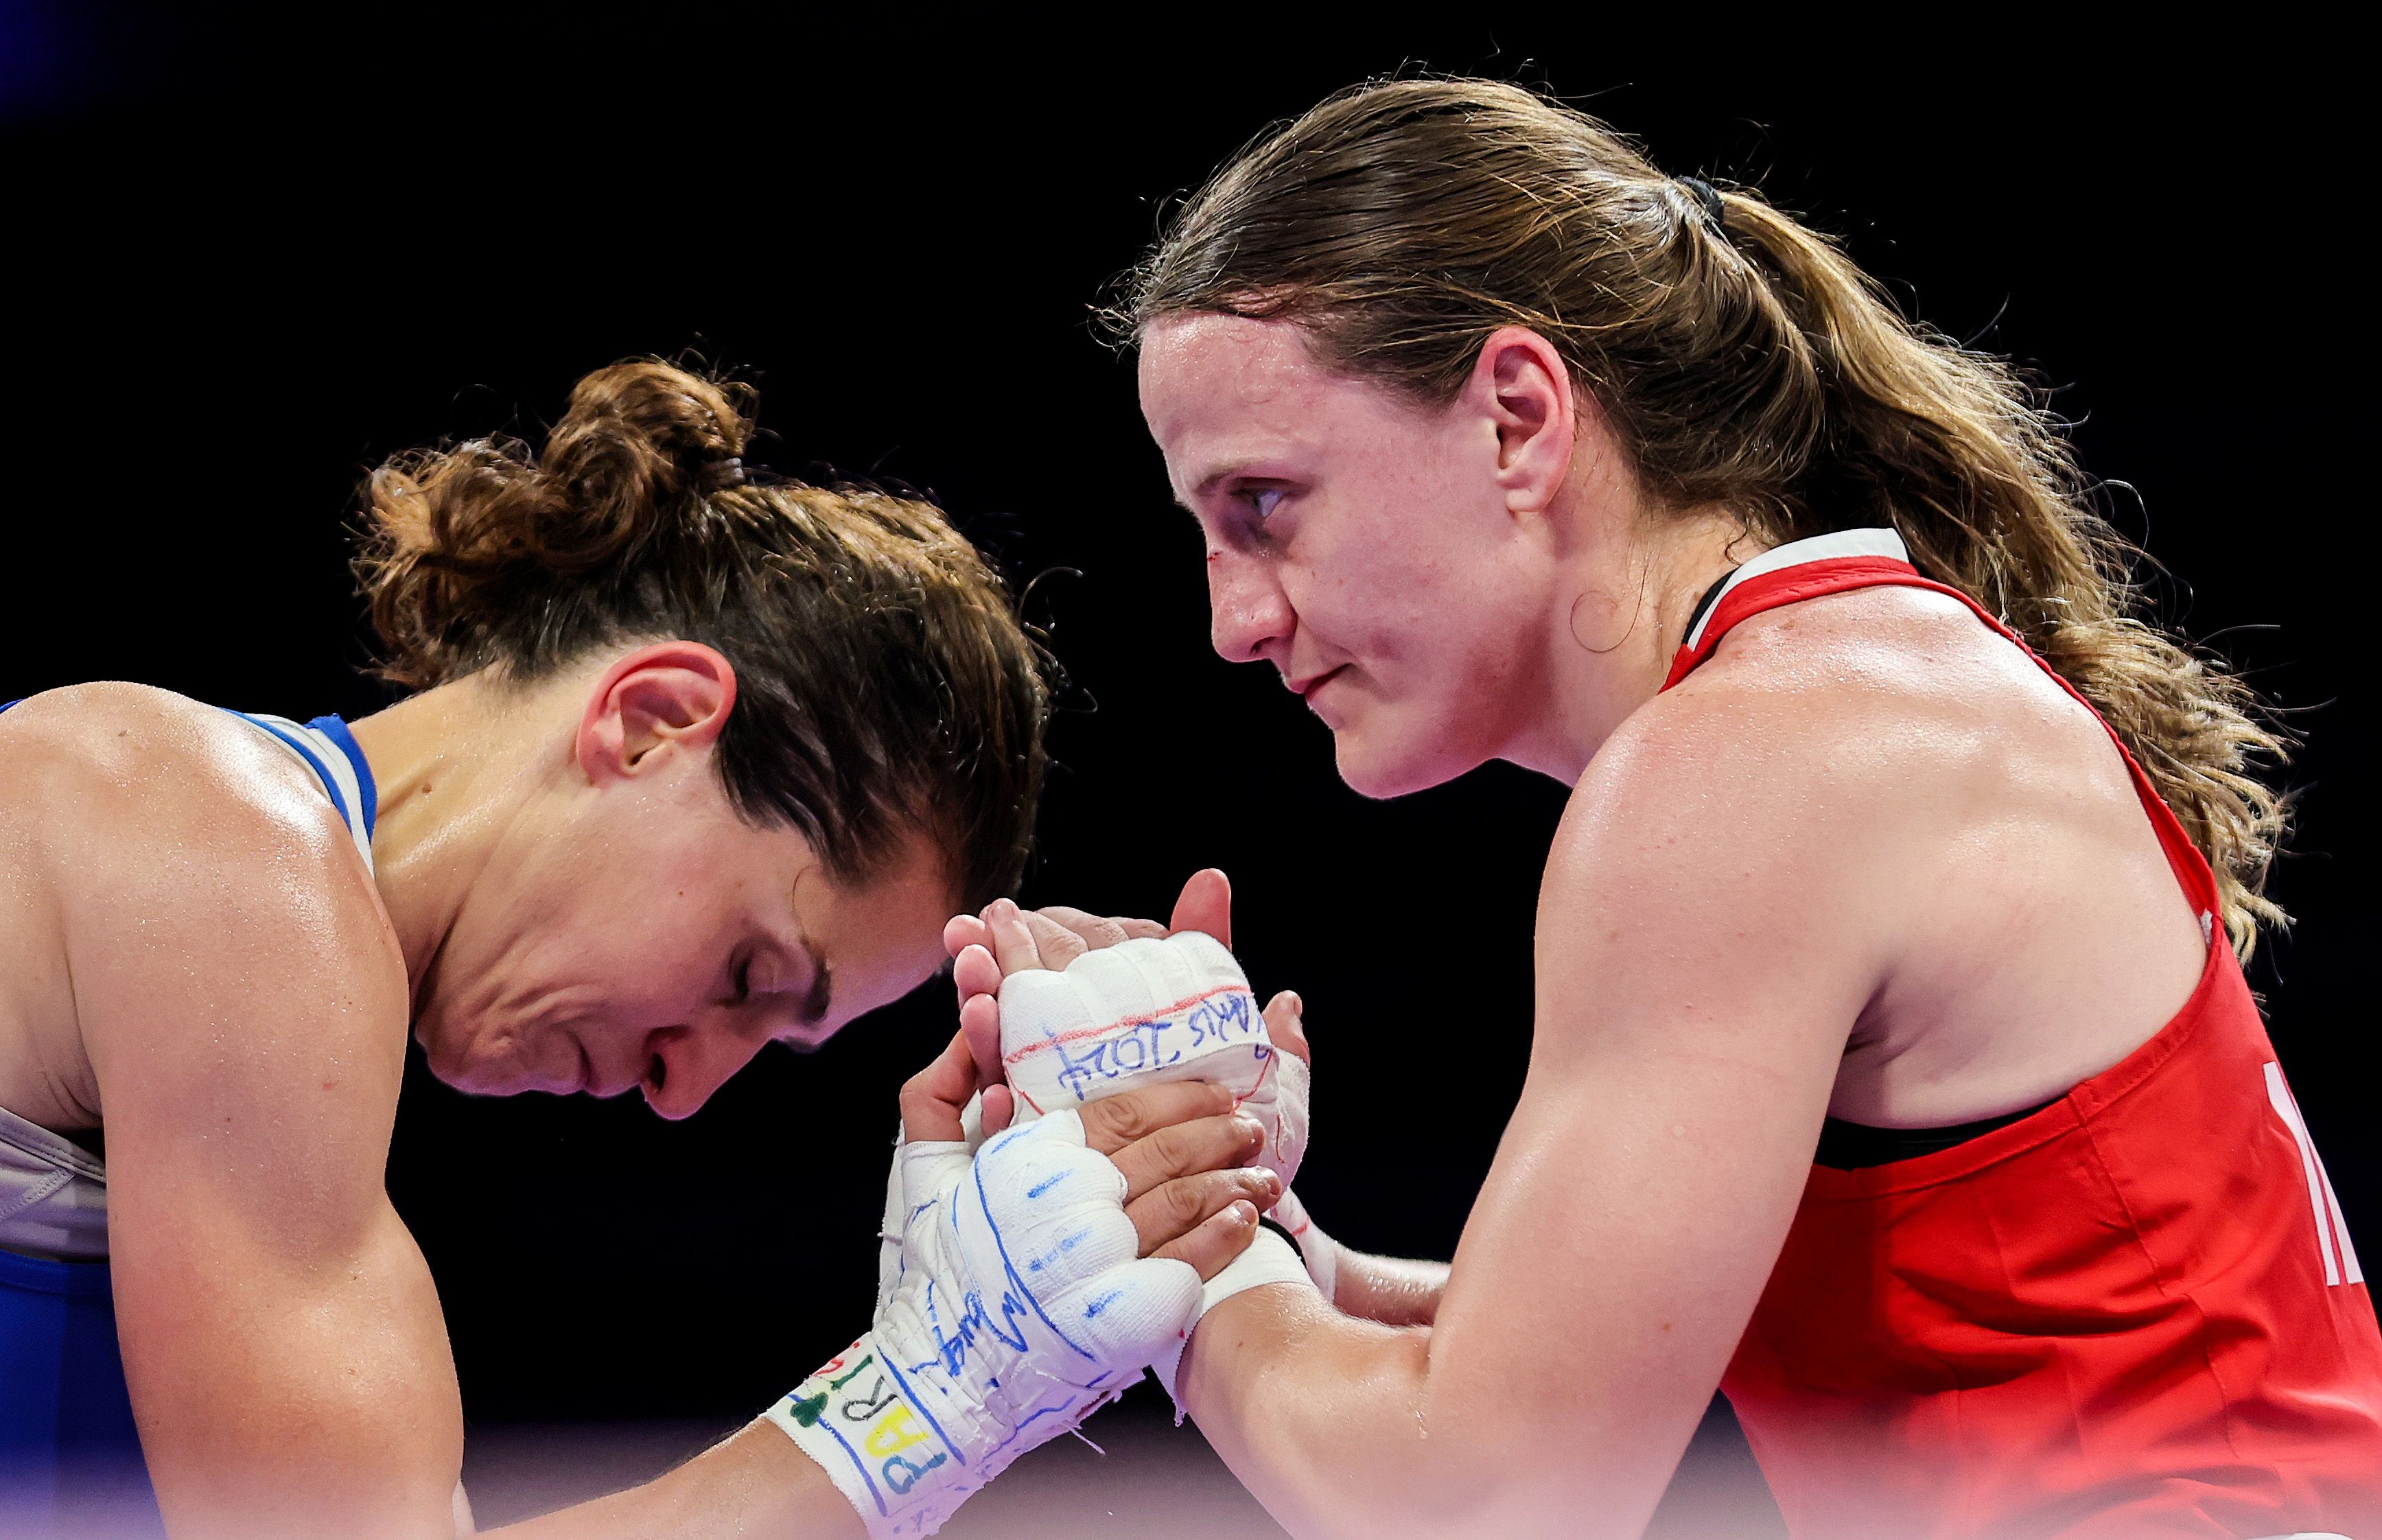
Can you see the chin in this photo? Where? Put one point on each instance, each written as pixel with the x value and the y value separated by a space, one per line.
pixel 463 1058
pixel 1382 766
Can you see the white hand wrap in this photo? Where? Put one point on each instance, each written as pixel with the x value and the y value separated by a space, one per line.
pixel 1145 1010
pixel 1016 1307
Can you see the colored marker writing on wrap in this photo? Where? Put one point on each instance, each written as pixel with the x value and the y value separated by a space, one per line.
pixel 975 1320
pixel 1224 1017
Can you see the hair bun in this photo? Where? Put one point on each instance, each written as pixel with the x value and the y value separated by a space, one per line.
pixel 645 436
pixel 462 540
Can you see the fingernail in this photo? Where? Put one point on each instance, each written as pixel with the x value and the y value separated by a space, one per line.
pixel 1271 1178
pixel 1242 1212
pixel 1297 1005
pixel 1251 1131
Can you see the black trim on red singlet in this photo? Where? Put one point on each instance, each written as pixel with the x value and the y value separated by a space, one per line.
pixel 1711 596
pixel 1858 1146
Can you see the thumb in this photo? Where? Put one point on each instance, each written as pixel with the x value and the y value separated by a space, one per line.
pixel 1286 1026
pixel 932 1099
pixel 1206 905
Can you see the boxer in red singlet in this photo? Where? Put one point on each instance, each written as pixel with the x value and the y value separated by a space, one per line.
pixel 1893 1068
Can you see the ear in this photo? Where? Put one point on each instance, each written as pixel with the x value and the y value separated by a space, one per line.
pixel 670 695
pixel 1521 384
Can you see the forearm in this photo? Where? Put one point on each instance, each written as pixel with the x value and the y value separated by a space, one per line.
pixel 1326 1419
pixel 755 1485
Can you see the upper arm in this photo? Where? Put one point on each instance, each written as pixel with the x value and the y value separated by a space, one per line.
pixel 244 1010
pixel 1705 944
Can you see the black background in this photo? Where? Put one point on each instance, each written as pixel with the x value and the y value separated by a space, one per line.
pixel 250 262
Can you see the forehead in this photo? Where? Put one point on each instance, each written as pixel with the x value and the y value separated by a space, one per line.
pixel 882 938
pixel 1227 388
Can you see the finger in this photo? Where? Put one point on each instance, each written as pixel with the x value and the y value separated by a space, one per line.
pixel 933 1097
pixel 1168 1213
pixel 1214 1244
pixel 1113 1121
pixel 1285 1024
pixel 980 1025
pixel 975 972
pixel 961 932
pixel 999 1106
pixel 1137 929
pixel 1058 945
pixel 1013 941
pixel 1094 931
pixel 1187 1149
pixel 1206 905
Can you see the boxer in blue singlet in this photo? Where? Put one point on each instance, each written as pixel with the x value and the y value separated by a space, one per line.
pixel 63 1402
pixel 696 763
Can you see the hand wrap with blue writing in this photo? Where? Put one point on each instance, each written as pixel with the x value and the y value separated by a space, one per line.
pixel 1015 1307
pixel 1145 1010
pixel 1148 1010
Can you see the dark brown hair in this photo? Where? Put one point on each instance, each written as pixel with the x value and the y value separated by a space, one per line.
pixel 883 682
pixel 1742 361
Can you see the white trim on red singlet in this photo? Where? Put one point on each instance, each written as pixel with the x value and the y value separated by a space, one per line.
pixel 1794 553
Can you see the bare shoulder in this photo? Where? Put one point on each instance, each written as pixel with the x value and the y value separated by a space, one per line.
pixel 1839 720
pixel 129 780
pixel 1876 800
pixel 1788 791
pixel 217 922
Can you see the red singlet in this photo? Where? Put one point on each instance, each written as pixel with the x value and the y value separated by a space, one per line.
pixel 2134 1313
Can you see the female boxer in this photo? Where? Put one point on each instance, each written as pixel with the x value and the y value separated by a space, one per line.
pixel 1892 1069
pixel 699 760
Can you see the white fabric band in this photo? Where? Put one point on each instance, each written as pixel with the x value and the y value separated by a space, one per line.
pixel 1269 1260
pixel 1015 1307
pixel 1318 1251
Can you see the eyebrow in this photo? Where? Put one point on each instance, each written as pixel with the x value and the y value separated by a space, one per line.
pixel 1208 482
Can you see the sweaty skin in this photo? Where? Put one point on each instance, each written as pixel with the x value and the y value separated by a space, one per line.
pixel 1868 861
pixel 193 950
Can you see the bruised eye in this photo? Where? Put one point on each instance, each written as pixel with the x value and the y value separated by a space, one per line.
pixel 1263 500
pixel 743 991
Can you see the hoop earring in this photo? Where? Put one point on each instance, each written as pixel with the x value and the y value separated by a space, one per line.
pixel 1611 606
pixel 1608 608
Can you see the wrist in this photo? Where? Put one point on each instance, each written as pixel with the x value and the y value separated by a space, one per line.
pixel 1270 1257
pixel 856 1419
pixel 1318 1252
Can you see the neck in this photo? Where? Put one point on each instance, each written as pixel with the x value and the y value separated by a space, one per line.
pixel 1610 646
pixel 455 765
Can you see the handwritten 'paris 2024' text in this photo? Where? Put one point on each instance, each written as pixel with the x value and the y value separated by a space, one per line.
pixel 1228 1016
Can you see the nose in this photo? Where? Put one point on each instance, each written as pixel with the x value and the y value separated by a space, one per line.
pixel 1248 615
pixel 685 1065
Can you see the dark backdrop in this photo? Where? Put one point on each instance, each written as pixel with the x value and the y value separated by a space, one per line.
pixel 251 263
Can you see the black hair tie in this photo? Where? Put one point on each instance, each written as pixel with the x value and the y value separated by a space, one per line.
pixel 1716 211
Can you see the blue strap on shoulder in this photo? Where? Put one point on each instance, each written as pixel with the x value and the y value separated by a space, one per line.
pixel 336 731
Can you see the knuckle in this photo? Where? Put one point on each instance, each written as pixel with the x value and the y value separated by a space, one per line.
pixel 1172 1148
pixel 1187 1200
pixel 1127 1116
